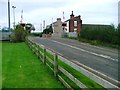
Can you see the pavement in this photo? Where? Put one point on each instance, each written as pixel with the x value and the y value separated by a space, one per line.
pixel 101 59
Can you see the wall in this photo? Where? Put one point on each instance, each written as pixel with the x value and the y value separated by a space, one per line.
pixel 72 19
pixel 57 28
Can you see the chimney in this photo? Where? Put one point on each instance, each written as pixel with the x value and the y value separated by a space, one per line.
pixel 79 16
pixel 72 15
pixel 58 19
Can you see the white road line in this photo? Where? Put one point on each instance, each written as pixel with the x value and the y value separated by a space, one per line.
pixel 92 45
pixel 96 71
pixel 100 55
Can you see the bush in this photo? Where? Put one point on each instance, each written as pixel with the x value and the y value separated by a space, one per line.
pixel 48 30
pixel 105 33
pixel 19 34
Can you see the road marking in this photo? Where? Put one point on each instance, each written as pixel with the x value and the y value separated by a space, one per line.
pixel 100 55
pixel 95 71
pixel 92 45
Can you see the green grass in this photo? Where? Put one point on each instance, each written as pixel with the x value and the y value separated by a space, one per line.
pixel 0 64
pixel 99 43
pixel 22 69
pixel 75 38
pixel 41 49
pixel 94 42
pixel 71 83
pixel 85 80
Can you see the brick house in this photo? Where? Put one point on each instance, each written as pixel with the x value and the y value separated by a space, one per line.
pixel 74 24
pixel 70 27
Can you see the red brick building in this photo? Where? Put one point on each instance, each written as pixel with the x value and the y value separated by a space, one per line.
pixel 74 23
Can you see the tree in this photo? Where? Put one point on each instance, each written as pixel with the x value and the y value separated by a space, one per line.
pixel 48 30
pixel 19 34
pixel 29 27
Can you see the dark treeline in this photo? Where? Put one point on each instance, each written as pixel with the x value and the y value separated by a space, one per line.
pixel 102 33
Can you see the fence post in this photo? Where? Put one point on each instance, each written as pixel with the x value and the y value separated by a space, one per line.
pixel 55 65
pixel 33 47
pixel 30 44
pixel 44 55
pixel 38 52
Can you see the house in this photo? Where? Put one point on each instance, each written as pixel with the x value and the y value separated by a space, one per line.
pixel 70 27
pixel 73 25
pixel 57 28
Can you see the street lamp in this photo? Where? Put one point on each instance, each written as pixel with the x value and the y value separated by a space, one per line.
pixel 14 16
pixel 9 14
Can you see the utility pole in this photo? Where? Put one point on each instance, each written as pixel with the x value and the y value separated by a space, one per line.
pixel 14 16
pixel 21 21
pixel 41 27
pixel 9 14
pixel 43 24
pixel 63 17
pixel 52 22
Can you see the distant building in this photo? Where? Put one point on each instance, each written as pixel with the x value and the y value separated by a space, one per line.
pixel 57 28
pixel 70 27
pixel 73 26
pixel 74 23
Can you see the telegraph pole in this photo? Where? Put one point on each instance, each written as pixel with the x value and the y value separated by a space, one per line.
pixel 43 24
pixel 9 14
pixel 52 22
pixel 41 27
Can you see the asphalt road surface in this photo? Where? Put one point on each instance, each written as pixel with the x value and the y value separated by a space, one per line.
pixel 104 60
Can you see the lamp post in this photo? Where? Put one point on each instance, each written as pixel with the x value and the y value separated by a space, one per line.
pixel 9 14
pixel 14 16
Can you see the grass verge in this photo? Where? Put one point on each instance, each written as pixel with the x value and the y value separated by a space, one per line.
pixel 85 80
pixel 98 43
pixel 0 65
pixel 22 69
pixel 95 42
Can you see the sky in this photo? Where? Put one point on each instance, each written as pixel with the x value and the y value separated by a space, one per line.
pixel 36 11
pixel 118 12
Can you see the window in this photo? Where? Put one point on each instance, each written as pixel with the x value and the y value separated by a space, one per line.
pixel 75 23
pixel 75 30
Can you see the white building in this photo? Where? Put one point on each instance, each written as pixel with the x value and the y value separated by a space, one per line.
pixel 57 28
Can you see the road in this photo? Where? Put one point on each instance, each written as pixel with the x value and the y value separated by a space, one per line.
pixel 101 59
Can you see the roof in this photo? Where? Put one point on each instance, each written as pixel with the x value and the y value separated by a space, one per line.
pixel 70 19
pixel 94 25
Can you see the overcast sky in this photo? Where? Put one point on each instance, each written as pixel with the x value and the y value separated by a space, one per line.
pixel 35 11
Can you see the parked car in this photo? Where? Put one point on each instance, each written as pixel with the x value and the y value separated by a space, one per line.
pixel 5 33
